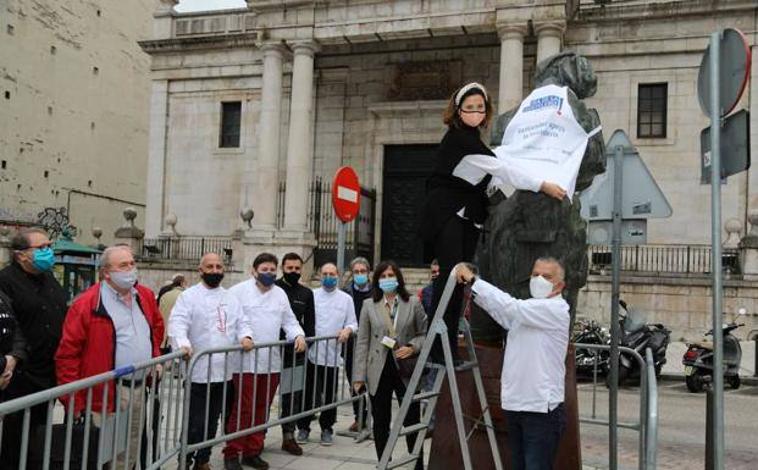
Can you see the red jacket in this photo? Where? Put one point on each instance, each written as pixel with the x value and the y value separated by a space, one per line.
pixel 88 343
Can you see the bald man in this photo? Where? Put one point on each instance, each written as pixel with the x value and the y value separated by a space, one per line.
pixel 208 316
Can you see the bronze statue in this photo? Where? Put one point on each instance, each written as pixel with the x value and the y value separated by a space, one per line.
pixel 529 225
pixel 518 230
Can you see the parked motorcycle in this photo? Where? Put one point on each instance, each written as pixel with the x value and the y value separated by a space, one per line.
pixel 637 334
pixel 590 332
pixel 698 359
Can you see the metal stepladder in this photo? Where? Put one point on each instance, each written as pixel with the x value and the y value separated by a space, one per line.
pixel 438 329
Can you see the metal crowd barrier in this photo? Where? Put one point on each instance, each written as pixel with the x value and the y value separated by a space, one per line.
pixel 97 439
pixel 88 440
pixel 647 425
pixel 290 378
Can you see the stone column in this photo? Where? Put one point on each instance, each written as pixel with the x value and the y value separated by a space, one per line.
pixel 748 249
pixel 267 176
pixel 156 159
pixel 300 138
pixel 511 66
pixel 549 38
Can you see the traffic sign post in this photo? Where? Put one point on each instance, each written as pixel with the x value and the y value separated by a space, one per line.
pixel 346 200
pixel 717 410
pixel 625 193
pixel 722 79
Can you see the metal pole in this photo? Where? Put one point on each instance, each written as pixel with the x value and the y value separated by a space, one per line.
pixel 718 365
pixel 341 233
pixel 618 171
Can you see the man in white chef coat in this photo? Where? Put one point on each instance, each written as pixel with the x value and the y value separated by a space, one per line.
pixel 207 316
pixel 534 371
pixel 335 315
pixel 267 308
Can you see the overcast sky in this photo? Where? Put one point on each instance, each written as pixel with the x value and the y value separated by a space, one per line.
pixel 202 5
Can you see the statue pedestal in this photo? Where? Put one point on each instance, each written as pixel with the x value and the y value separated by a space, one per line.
pixel 445 450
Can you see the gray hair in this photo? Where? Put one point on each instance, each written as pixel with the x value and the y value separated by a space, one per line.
pixel 550 260
pixel 105 257
pixel 360 260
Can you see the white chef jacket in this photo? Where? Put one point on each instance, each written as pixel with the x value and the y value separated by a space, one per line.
pixel 204 318
pixel 268 313
pixel 334 311
pixel 534 367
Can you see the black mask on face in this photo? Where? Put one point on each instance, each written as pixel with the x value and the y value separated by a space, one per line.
pixel 292 278
pixel 212 279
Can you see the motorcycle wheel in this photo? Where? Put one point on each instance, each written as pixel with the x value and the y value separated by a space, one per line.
pixel 733 381
pixel 694 383
pixel 624 373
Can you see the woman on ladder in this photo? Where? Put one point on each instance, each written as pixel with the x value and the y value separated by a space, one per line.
pixel 455 209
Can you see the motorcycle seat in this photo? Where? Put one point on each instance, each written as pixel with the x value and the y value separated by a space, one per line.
pixel 704 344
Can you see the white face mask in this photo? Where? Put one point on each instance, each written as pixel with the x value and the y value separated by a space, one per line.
pixel 539 287
pixel 124 279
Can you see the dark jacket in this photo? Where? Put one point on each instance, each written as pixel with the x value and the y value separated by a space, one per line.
pixel 447 194
pixel 88 345
pixel 425 295
pixel 12 342
pixel 39 305
pixel 303 306
pixel 358 298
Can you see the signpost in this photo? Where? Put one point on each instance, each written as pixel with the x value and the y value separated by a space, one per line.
pixel 346 200
pixel 626 192
pixel 723 75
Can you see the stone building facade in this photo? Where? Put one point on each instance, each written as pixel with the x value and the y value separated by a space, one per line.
pixel 74 95
pixel 310 86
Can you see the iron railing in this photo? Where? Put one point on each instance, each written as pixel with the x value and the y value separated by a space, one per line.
pixel 647 424
pixel 184 248
pixel 661 259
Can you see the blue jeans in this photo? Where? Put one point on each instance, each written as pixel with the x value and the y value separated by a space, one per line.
pixel 533 437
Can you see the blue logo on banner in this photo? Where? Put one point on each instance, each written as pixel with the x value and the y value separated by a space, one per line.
pixel 550 101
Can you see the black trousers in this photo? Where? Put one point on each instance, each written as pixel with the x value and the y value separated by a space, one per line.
pixel 533 438
pixel 381 409
pixel 197 427
pixel 361 403
pixel 320 383
pixel 455 243
pixel 10 452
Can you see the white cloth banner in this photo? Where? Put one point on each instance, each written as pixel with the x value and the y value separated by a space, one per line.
pixel 544 139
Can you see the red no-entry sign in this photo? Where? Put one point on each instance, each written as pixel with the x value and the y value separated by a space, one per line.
pixel 346 194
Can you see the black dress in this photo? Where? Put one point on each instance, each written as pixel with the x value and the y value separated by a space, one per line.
pixel 456 207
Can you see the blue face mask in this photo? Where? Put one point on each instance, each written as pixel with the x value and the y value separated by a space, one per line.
pixel 266 279
pixel 388 285
pixel 43 259
pixel 329 282
pixel 360 279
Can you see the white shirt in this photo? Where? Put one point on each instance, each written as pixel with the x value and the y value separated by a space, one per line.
pixel 204 318
pixel 534 367
pixel 334 312
pixel 268 313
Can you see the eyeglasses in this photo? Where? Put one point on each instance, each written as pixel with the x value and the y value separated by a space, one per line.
pixel 37 247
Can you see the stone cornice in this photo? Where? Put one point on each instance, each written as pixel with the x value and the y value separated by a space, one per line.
pixel 616 11
pixel 226 41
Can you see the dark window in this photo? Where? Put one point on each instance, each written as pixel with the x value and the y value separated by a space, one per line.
pixel 230 124
pixel 652 101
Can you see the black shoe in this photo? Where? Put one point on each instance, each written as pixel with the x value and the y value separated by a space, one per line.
pixel 232 464
pixel 255 462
